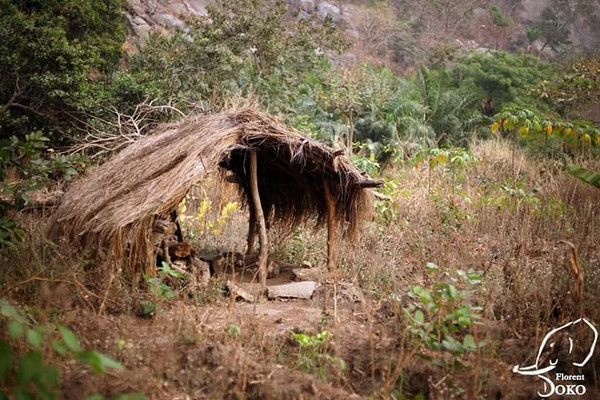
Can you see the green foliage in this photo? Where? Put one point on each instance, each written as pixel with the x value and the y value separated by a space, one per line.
pixel 313 356
pixel 586 175
pixel 388 210
pixel 452 114
pixel 239 47
pixel 160 288
pixel 52 55
pixel 441 314
pixel 408 115
pixel 532 125
pixel 24 345
pixel 533 34
pixel 454 157
pixel 552 27
pixel 367 165
pixel 31 168
pixel 233 330
pixel 498 18
pixel 496 78
pixel 578 87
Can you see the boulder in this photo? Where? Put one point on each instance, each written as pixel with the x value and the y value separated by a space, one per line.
pixel 169 21
pixel 328 10
pixel 309 274
pixel 307 5
pixel 295 290
pixel 352 34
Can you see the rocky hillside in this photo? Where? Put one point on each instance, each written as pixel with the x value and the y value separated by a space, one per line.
pixel 402 33
pixel 145 16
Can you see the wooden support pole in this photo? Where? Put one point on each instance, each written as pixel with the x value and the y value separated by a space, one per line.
pixel 369 183
pixel 251 228
pixel 331 226
pixel 260 221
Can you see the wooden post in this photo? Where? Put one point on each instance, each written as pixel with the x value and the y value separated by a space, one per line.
pixel 251 228
pixel 331 227
pixel 260 221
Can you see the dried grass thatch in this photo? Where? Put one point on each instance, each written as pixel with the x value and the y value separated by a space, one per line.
pixel 116 206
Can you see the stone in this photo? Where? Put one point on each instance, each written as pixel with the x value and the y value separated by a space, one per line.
pixel 239 293
pixel 352 34
pixel 295 290
pixel 197 7
pixel 139 21
pixel 169 21
pixel 141 31
pixel 307 5
pixel 309 274
pixel 201 270
pixel 328 10
pixel 348 59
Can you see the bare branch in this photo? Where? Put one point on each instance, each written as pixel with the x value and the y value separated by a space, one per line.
pixel 101 136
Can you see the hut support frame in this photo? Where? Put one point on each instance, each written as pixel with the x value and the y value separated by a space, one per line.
pixel 251 229
pixel 260 221
pixel 331 227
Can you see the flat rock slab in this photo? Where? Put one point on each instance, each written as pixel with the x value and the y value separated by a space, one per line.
pixel 295 290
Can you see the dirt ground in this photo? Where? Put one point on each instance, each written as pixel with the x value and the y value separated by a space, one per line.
pixel 186 353
pixel 189 352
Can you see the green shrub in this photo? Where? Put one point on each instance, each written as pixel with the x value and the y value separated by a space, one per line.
pixel 497 78
pixel 313 356
pixel 440 314
pixel 25 344
pixel 54 56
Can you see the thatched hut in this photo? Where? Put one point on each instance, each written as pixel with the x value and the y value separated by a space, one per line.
pixel 285 177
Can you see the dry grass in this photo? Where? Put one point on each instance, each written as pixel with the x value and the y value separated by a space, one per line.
pixel 505 215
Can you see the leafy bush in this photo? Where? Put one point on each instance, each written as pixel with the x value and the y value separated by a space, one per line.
pixel 441 314
pixel 31 168
pixel 24 348
pixel 160 288
pixel 313 356
pixel 496 78
pixel 53 56
pixel 240 47
pixel 530 125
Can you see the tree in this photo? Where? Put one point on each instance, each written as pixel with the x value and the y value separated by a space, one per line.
pixel 238 46
pixel 51 53
pixel 552 26
pixel 497 78
pixel 449 15
pixel 500 22
pixel 577 92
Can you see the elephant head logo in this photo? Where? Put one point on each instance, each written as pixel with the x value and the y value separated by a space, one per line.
pixel 549 345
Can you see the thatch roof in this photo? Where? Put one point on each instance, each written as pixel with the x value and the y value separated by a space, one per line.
pixel 116 205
